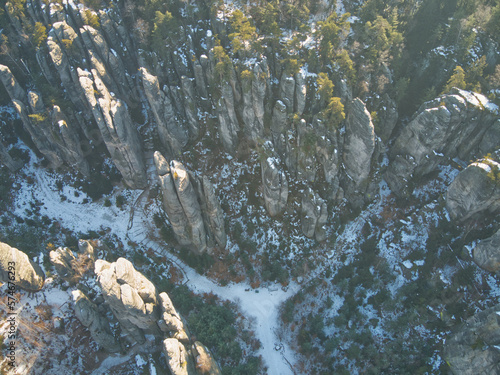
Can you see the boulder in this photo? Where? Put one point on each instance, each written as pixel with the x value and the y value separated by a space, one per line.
pixel 17 268
pixel 486 254
pixel 475 191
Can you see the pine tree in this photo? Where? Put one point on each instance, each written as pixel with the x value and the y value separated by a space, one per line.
pixel 456 80
pixel 39 34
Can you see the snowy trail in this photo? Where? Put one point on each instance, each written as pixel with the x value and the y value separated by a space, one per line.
pixel 260 305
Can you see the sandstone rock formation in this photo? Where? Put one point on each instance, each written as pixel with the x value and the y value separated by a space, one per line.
pixel 473 348
pixel 254 87
pixel 88 314
pixel 117 129
pixel 13 88
pixel 182 195
pixel 486 254
pixel 171 131
pixel 16 267
pixel 205 363
pixel 171 322
pixel 275 184
pixel 228 122
pixel 359 143
pixel 130 296
pixel 451 126
pixel 214 214
pixel 179 359
pixel 475 191
pixel 314 215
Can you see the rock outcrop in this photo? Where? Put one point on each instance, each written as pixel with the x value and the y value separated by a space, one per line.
pixel 359 143
pixel 274 182
pixel 475 191
pixel 88 314
pixel 451 126
pixel 314 215
pixel 182 195
pixel 13 88
pixel 486 254
pixel 170 129
pixel 171 322
pixel 228 122
pixel 473 348
pixel 51 133
pixel 16 267
pixel 213 213
pixel 117 129
pixel 205 362
pixel 254 86
pixel 131 297
pixel 179 359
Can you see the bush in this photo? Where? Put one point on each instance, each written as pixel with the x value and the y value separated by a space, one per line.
pixel 120 201
pixel 107 203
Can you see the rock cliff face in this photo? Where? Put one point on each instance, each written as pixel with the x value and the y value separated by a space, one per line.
pixel 450 126
pixel 359 143
pixel 254 88
pixel 472 349
pixel 486 254
pixel 170 129
pixel 275 184
pixel 52 134
pixel 475 191
pixel 228 123
pixel 13 88
pixel 16 267
pixel 314 215
pixel 117 129
pixel 184 196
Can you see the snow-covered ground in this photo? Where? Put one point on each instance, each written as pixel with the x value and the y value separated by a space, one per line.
pixel 129 224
